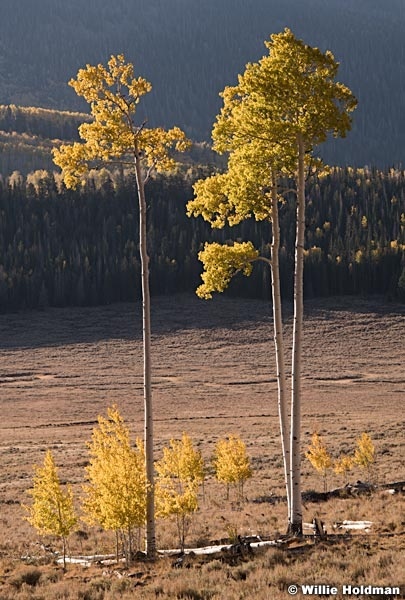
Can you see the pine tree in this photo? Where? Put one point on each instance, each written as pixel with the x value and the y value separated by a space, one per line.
pixel 52 511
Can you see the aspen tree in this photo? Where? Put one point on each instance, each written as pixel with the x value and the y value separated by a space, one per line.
pixel 288 101
pixel 180 472
pixel 248 188
pixel 231 463
pixel 343 465
pixel 113 135
pixel 319 457
pixel 115 495
pixel 52 511
pixel 364 455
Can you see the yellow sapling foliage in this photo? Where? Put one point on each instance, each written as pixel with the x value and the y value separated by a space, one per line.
pixel 231 462
pixel 180 473
pixel 181 461
pixel 343 465
pixel 115 495
pixel 364 455
pixel 318 456
pixel 172 502
pixel 52 511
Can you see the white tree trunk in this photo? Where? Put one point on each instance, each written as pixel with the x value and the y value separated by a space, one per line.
pixel 279 343
pixel 147 383
pixel 295 526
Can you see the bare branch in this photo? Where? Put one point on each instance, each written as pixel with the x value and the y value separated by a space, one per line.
pixel 149 172
pixel 141 127
pixel 289 191
pixel 264 259
pixel 112 162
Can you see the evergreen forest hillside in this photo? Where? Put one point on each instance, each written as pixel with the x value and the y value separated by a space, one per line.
pixel 28 134
pixel 61 247
pixel 190 50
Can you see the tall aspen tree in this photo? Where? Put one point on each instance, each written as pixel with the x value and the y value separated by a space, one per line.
pixel 113 136
pixel 248 188
pixel 283 107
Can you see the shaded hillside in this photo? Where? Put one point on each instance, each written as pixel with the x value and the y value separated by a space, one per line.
pixel 191 50
pixel 41 122
pixel 28 134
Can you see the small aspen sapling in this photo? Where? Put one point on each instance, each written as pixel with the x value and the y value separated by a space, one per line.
pixel 319 457
pixel 180 472
pixel 115 495
pixel 343 465
pixel 52 511
pixel 232 464
pixel 364 455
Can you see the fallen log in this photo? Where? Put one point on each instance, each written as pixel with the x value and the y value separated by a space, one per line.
pixel 398 486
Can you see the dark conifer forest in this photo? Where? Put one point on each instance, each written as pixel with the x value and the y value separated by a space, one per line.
pixel 62 248
pixel 59 247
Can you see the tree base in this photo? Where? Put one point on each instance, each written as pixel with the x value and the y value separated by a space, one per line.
pixel 295 530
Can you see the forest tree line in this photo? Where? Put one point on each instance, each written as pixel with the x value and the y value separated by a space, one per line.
pixel 28 134
pixel 65 248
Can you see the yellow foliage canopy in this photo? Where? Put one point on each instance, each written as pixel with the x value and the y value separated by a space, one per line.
pixel 231 461
pixel 180 472
pixel 318 455
pixel 113 93
pixel 364 455
pixel 52 511
pixel 115 496
pixel 221 263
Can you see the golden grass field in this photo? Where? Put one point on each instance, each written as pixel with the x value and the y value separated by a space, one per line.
pixel 213 374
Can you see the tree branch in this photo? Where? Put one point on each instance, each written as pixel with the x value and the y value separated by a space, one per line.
pixel 264 259
pixel 149 172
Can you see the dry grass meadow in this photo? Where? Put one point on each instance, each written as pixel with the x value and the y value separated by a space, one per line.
pixel 214 374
